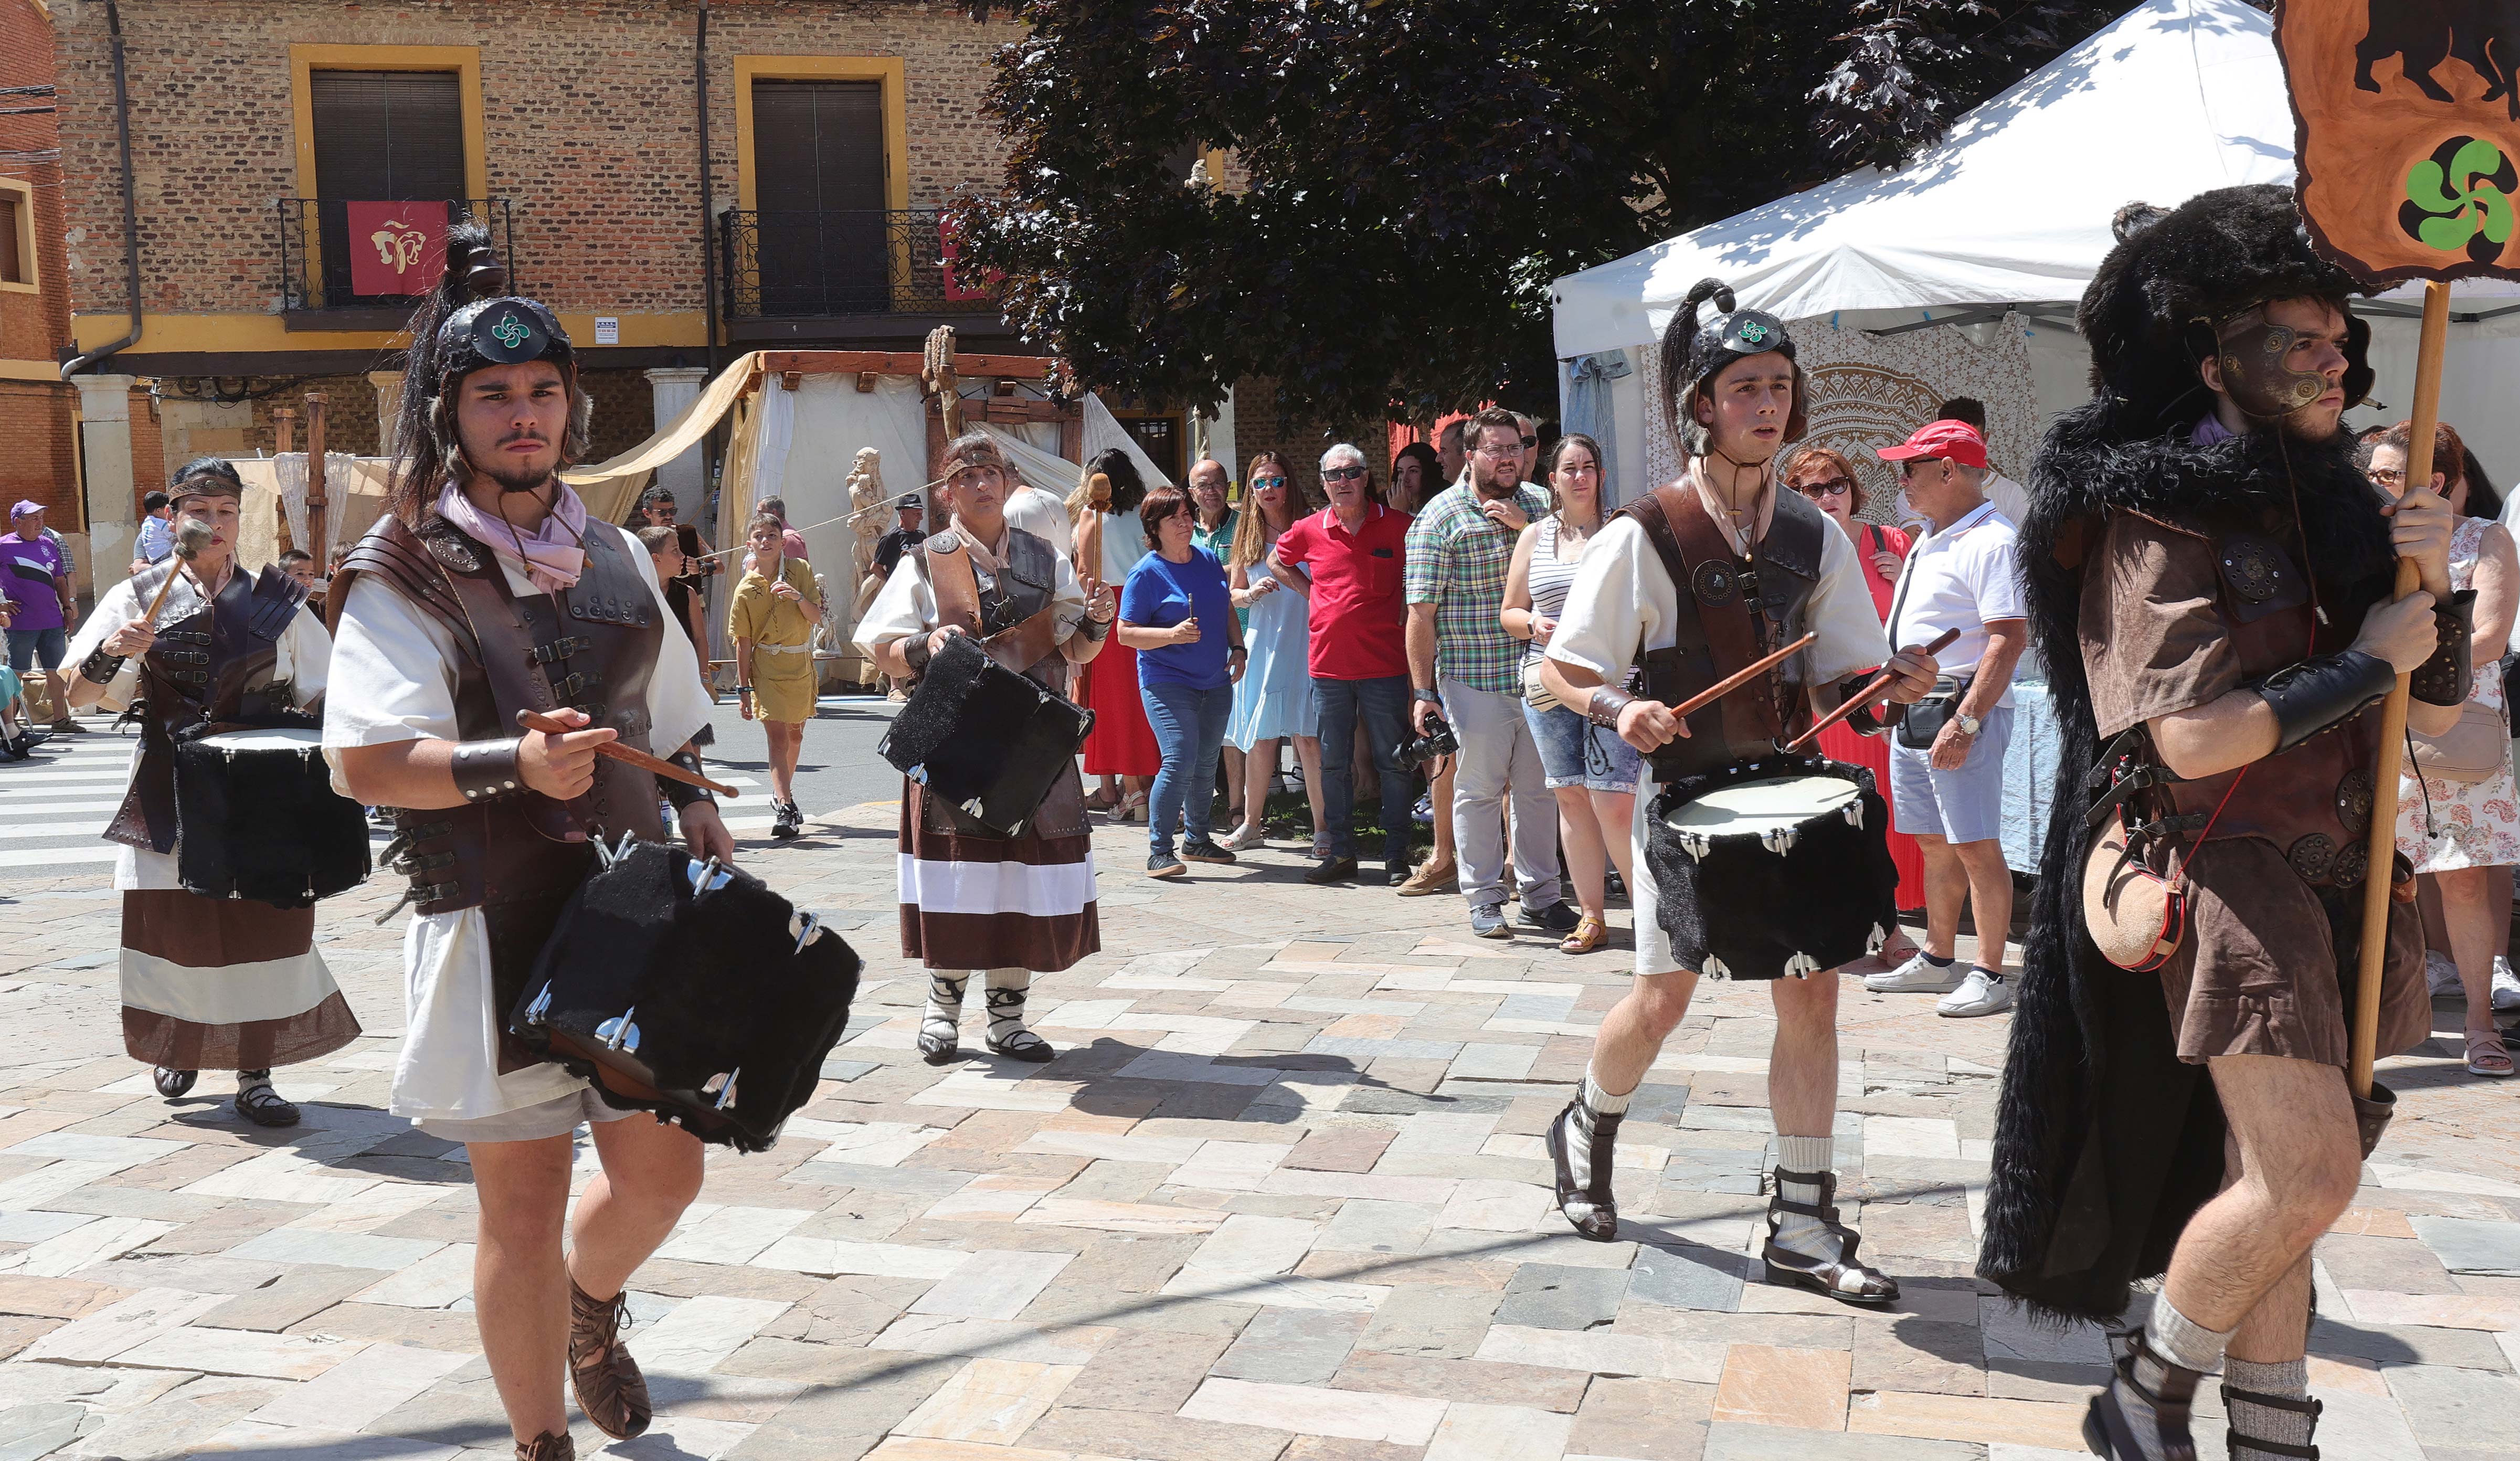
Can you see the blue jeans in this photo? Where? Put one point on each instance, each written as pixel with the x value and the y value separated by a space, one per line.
pixel 1384 705
pixel 1188 726
pixel 28 648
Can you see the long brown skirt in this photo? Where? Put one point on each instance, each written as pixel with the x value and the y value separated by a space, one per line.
pixel 225 984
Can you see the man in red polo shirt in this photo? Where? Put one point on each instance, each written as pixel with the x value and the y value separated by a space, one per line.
pixel 1346 561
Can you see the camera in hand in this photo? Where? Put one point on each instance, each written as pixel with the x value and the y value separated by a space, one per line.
pixel 1438 741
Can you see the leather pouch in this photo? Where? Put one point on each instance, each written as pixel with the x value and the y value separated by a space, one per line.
pixel 2135 916
pixel 2472 751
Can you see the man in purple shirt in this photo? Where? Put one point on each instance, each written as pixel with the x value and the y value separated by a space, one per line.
pixel 37 576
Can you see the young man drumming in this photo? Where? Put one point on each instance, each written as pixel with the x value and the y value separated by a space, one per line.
pixel 1768 569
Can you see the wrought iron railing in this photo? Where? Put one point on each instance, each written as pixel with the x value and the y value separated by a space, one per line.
pixel 316 248
pixel 845 262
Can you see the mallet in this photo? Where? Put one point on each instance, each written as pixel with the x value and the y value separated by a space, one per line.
pixel 192 535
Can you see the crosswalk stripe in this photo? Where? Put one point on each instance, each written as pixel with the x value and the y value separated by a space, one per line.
pixel 54 857
pixel 27 808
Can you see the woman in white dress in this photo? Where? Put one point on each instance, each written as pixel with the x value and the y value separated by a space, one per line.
pixel 2464 836
pixel 1273 700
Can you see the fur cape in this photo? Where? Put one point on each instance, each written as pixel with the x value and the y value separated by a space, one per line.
pixel 2105 1142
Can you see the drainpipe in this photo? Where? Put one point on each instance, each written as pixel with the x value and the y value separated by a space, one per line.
pixel 130 206
pixel 709 218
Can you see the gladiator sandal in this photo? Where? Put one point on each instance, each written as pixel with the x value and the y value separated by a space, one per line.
pixel 173 1083
pixel 1586 1200
pixel 2243 1448
pixel 1008 1035
pixel 2127 1422
pixel 551 1445
pixel 1841 1278
pixel 939 1029
pixel 259 1104
pixel 610 1388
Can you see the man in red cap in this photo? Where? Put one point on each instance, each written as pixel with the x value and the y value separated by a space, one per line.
pixel 1946 753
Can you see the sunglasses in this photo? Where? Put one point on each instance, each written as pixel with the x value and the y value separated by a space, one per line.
pixel 1835 486
pixel 1265 483
pixel 1908 467
pixel 1342 474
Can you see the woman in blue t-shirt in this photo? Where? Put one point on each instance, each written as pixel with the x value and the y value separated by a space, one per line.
pixel 1175 612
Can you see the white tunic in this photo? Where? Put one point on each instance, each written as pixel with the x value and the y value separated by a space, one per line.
pixel 304 663
pixel 1623 599
pixel 906 605
pixel 397 672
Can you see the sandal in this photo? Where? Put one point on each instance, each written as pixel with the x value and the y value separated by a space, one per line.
pixel 1100 799
pixel 1590 933
pixel 2487 1056
pixel 1841 1278
pixel 2127 1422
pixel 1132 809
pixel 259 1104
pixel 2242 1446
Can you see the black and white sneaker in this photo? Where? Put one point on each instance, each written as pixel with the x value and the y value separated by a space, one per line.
pixel 788 821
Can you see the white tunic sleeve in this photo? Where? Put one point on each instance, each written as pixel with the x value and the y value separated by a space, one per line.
pixel 120 605
pixel 904 606
pixel 1841 612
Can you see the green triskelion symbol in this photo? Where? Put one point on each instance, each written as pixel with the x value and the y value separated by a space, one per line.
pixel 2460 199
pixel 511 331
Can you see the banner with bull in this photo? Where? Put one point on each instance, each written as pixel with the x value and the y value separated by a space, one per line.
pixel 2407 132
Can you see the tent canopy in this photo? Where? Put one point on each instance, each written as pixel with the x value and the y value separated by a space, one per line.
pixel 2012 207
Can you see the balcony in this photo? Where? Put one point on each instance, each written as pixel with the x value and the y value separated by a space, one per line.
pixel 794 277
pixel 318 283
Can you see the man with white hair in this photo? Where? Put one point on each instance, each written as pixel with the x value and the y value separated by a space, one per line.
pixel 1347 561
pixel 1947 753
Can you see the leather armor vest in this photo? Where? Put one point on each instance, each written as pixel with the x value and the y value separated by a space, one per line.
pixel 210 668
pixel 1025 586
pixel 591 647
pixel 2314 802
pixel 1733 611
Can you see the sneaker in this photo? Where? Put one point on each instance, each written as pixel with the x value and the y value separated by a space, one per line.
pixel 1555 918
pixel 1164 865
pixel 1200 849
pixel 1917 977
pixel 1332 869
pixel 2441 975
pixel 1487 921
pixel 1423 814
pixel 1430 876
pixel 787 821
pixel 1984 992
pixel 1614 889
pixel 1242 839
pixel 2506 988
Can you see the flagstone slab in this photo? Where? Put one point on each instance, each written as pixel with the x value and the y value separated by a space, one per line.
pixel 240 1351
pixel 1314 1411
pixel 2469 1246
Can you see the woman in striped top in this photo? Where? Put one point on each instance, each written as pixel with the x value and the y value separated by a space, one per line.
pixel 1592 772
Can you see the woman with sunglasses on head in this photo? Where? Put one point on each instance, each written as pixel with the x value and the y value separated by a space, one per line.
pixel 1590 770
pixel 1273 700
pixel 1829 480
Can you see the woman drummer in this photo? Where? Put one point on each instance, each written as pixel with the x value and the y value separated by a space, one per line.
pixel 209 984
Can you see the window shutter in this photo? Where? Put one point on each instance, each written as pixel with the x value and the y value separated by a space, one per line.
pixel 13 263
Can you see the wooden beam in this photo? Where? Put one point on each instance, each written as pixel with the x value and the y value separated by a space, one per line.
pixel 900 363
pixel 318 544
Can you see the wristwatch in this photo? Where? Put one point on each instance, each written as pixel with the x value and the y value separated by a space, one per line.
pixel 1968 724
pixel 1428 695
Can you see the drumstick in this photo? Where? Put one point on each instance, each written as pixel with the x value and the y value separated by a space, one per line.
pixel 1725 686
pixel 529 720
pixel 1862 698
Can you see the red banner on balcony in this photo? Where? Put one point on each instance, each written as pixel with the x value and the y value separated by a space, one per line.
pixel 396 248
pixel 947 249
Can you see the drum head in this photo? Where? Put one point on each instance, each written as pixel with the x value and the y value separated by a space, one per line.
pixel 1752 808
pixel 275 738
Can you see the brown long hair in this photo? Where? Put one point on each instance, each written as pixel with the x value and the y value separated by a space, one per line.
pixel 1804 456
pixel 1251 533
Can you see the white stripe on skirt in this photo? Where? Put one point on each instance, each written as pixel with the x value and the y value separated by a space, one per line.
pixel 1040 889
pixel 235 995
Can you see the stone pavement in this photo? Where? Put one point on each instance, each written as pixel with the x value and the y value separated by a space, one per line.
pixel 1282 1198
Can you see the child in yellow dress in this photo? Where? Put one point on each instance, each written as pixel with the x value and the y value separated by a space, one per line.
pixel 772 622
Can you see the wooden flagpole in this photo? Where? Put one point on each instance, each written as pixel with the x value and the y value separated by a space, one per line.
pixel 2377 883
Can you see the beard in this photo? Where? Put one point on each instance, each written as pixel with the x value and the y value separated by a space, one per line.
pixel 513 478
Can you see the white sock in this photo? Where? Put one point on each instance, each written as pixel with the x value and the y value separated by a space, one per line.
pixel 1008 991
pixel 2289 1381
pixel 1591 1104
pixel 2176 1339
pixel 944 1015
pixel 1805 1154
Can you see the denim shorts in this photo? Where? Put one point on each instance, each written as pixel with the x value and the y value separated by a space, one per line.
pixel 1576 753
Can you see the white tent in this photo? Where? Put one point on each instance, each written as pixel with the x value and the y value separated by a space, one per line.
pixel 2012 210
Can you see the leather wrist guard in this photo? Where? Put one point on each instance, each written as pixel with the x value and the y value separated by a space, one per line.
pixel 2449 674
pixel 1091 629
pixel 486 768
pixel 1864 720
pixel 100 668
pixel 680 795
pixel 1606 703
pixel 2320 694
pixel 916 654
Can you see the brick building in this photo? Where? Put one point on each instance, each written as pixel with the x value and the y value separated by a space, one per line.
pixel 283 151
pixel 38 441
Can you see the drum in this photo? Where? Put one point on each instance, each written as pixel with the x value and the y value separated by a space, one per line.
pixel 1773 868
pixel 689 989
pixel 256 817
pixel 984 740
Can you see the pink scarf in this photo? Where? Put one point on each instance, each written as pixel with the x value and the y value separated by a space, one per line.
pixel 551 555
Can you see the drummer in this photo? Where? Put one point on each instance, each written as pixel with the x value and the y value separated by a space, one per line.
pixel 1735 397
pixel 209 983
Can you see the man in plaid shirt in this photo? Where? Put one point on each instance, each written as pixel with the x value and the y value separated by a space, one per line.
pixel 1462 661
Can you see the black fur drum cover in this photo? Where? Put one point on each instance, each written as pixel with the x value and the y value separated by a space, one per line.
pixel 984 739
pixel 1741 908
pixel 713 1007
pixel 256 817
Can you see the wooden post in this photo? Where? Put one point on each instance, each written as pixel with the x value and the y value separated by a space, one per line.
pixel 322 546
pixel 2392 715
pixel 283 429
